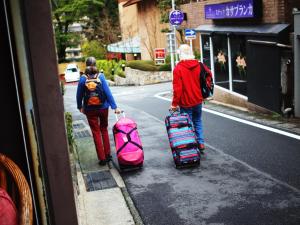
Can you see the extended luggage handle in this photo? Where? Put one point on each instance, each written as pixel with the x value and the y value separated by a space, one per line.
pixel 116 115
pixel 177 111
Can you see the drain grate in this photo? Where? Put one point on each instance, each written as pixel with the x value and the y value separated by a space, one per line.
pixel 99 180
pixel 78 126
pixel 81 134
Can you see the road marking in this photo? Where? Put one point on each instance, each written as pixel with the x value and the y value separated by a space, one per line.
pixel 255 170
pixel 295 136
pixel 235 159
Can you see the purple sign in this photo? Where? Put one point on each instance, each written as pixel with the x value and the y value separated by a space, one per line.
pixel 230 10
pixel 176 17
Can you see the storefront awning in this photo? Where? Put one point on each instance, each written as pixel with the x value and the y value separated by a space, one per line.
pixel 131 45
pixel 131 2
pixel 264 29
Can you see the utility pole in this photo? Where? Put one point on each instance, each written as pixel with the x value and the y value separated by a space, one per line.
pixel 174 31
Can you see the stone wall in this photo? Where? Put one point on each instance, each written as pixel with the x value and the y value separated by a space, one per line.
pixel 138 77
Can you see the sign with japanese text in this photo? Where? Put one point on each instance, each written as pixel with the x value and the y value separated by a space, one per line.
pixel 230 10
pixel 159 55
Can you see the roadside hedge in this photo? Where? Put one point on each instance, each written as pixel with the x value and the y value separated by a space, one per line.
pixel 147 65
pixel 111 68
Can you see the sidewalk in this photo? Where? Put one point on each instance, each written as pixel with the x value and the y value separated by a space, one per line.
pixel 102 198
pixel 102 195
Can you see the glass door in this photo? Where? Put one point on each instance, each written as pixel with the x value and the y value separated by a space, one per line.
pixel 220 49
pixel 239 64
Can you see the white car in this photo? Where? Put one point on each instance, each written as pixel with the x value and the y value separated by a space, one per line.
pixel 72 73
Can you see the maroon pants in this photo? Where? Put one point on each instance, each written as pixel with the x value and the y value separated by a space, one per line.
pixel 98 121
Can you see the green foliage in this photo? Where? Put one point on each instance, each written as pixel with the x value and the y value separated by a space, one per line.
pixel 165 67
pixel 168 59
pixel 107 66
pixel 99 19
pixel 145 65
pixel 197 54
pixel 69 127
pixel 165 7
pixel 93 48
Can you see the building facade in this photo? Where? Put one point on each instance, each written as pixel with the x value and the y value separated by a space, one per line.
pixel 247 45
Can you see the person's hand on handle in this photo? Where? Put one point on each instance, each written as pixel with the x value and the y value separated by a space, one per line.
pixel 81 110
pixel 173 108
pixel 118 111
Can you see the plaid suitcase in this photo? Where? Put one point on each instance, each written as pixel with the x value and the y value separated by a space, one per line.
pixel 182 139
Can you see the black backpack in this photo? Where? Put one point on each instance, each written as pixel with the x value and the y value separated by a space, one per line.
pixel 207 89
pixel 94 94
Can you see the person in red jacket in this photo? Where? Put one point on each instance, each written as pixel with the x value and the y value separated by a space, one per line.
pixel 186 90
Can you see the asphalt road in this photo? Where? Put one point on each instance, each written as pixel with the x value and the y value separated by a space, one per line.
pixel 248 175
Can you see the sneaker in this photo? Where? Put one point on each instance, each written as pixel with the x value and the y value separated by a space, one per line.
pixel 201 148
pixel 102 162
pixel 108 158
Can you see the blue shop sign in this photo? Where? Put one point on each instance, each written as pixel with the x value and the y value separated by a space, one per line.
pixel 231 10
pixel 176 17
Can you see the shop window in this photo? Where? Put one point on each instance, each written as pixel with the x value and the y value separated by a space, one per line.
pixel 239 64
pixel 206 50
pixel 221 60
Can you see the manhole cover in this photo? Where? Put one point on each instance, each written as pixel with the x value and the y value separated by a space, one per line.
pixel 99 180
pixel 82 134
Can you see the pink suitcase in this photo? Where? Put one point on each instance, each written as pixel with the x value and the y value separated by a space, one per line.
pixel 128 144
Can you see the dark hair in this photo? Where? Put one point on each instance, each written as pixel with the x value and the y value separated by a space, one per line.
pixel 90 61
pixel 91 70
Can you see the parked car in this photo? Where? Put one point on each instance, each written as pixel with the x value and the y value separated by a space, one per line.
pixel 72 73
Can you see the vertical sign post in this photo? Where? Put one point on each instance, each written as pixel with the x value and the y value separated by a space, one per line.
pixel 176 18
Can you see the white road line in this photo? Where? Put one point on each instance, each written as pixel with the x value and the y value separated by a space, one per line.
pixel 255 170
pixel 237 160
pixel 295 136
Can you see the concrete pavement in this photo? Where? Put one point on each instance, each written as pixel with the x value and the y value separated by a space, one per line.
pixel 102 196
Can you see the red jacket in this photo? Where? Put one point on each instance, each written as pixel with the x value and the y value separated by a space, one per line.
pixel 186 83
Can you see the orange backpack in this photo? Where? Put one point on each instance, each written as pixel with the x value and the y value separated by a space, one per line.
pixel 94 95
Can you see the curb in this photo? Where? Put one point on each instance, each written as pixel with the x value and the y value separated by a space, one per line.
pixel 133 210
pixel 130 204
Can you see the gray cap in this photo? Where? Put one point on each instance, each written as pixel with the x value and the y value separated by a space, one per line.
pixel 90 61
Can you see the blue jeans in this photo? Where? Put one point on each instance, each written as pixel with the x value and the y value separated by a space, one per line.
pixel 195 113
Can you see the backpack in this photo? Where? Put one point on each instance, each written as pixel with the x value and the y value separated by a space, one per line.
pixel 94 94
pixel 206 85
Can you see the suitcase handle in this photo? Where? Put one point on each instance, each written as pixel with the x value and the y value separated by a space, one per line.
pixel 116 115
pixel 177 111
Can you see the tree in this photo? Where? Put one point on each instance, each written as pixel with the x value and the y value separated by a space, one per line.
pixel 65 13
pixel 93 48
pixel 165 7
pixel 104 26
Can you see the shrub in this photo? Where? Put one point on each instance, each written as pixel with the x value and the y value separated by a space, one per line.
pixel 168 59
pixel 197 54
pixel 145 65
pixel 108 65
pixel 69 127
pixel 93 48
pixel 165 67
